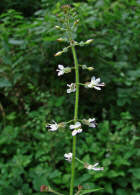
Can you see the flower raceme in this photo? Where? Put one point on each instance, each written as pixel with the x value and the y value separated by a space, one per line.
pixel 94 83
pixel 74 87
pixel 62 70
pixel 77 128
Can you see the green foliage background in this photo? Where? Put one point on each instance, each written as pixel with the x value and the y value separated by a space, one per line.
pixel 31 94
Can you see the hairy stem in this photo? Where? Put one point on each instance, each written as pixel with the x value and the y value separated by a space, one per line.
pixel 75 118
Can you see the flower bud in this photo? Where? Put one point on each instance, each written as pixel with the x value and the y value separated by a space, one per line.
pixel 58 53
pixel 61 125
pixel 86 165
pixel 81 43
pixel 44 188
pixel 76 22
pixel 85 122
pixel 89 41
pixel 80 187
pixel 67 70
pixel 90 68
pixel 58 27
pixel 66 8
pixel 84 67
pixel 61 39
pixel 65 49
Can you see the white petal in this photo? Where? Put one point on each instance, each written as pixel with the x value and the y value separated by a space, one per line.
pixel 77 124
pixel 91 120
pixel 96 164
pixel 98 80
pixel 98 88
pixel 90 85
pixel 68 91
pixel 65 155
pixel 92 125
pixel 60 73
pixel 101 84
pixel 93 78
pixel 89 167
pixel 98 168
pixel 72 126
pixel 74 132
pixel 61 67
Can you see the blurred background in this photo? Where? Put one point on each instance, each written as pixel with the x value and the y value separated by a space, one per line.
pixel 31 94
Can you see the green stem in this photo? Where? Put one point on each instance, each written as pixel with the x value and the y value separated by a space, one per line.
pixel 82 84
pixel 69 121
pixel 80 161
pixel 75 118
pixel 56 192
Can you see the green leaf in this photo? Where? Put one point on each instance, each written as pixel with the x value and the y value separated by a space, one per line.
pixel 136 172
pixel 121 192
pixel 4 83
pixel 136 184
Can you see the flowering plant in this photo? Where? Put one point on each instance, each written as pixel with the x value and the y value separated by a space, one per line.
pixel 70 24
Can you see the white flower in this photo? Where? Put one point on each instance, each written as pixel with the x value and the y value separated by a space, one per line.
pixel 95 83
pixel 94 167
pixel 72 88
pixel 68 156
pixel 61 70
pixel 53 127
pixel 90 122
pixel 77 128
